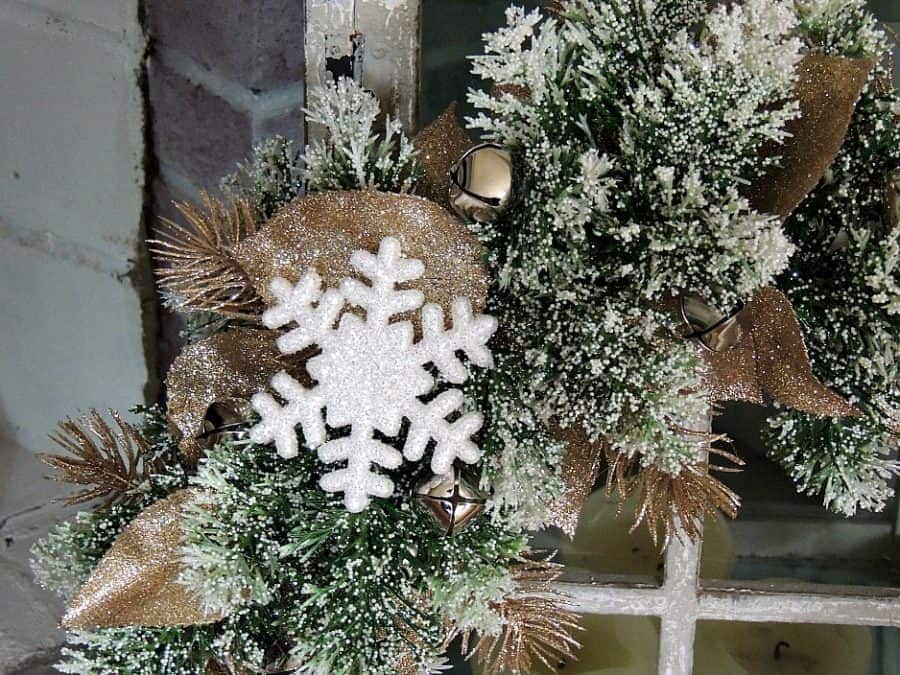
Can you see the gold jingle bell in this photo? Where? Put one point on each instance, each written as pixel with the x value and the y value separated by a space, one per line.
pixel 714 330
pixel 481 183
pixel 450 501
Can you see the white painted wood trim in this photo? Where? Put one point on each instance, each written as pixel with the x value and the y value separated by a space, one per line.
pixel 683 599
pixel 381 38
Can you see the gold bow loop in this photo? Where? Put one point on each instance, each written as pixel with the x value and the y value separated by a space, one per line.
pixel 225 368
pixel 770 360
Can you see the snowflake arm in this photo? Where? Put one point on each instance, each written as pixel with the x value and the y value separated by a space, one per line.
pixel 428 417
pixel 381 300
pixel 295 304
pixel 358 482
pixel 278 423
pixel 469 334
pixel 453 439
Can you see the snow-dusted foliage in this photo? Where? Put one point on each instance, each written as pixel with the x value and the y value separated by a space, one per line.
pixel 635 126
pixel 847 463
pixel 355 153
pixel 845 285
pixel 269 179
pixel 371 375
pixel 841 27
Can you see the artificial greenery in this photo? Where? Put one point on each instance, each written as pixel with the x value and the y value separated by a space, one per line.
pixel 356 152
pixel 633 128
pixel 270 178
pixel 844 282
pixel 264 533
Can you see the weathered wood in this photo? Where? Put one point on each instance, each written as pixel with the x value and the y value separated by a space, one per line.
pixel 630 599
pixel 679 620
pixel 800 603
pixel 375 41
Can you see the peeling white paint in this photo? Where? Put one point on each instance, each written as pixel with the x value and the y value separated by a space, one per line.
pixel 389 31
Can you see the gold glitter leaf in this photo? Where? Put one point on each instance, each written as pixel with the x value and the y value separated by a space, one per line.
pixel 771 359
pixel 440 144
pixel 112 462
pixel 228 368
pixel 136 582
pixel 579 471
pixel 199 267
pixel 537 626
pixel 828 88
pixel 324 230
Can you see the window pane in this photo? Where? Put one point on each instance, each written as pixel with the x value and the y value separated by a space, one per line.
pixel 603 544
pixel 451 32
pixel 781 534
pixel 733 648
pixel 613 645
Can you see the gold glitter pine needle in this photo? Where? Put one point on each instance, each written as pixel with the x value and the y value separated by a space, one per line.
pixel 536 624
pixel 675 504
pixel 198 266
pixel 111 462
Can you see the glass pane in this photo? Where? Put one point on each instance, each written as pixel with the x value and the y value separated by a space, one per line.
pixel 781 534
pixel 451 32
pixel 604 545
pixel 613 645
pixel 733 648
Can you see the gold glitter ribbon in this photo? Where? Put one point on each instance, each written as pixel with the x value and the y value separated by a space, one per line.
pixel 771 359
pixel 827 89
pixel 136 582
pixel 440 144
pixel 226 367
pixel 323 231
pixel 581 465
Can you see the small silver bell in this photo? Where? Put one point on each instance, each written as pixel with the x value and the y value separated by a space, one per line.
pixel 450 501
pixel 481 183
pixel 716 331
pixel 221 418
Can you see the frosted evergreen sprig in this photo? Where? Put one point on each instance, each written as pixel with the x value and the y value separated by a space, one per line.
pixel 847 463
pixel 521 462
pixel 841 27
pixel 844 283
pixel 135 651
pixel 63 560
pixel 245 637
pixel 471 595
pixel 270 178
pixel 355 153
pixel 266 536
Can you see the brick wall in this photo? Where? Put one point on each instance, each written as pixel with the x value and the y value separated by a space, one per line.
pixel 222 76
pixel 76 307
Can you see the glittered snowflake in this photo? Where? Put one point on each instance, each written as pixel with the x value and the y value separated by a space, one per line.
pixel 370 375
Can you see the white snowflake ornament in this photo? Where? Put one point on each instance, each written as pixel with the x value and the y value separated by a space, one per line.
pixel 371 374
